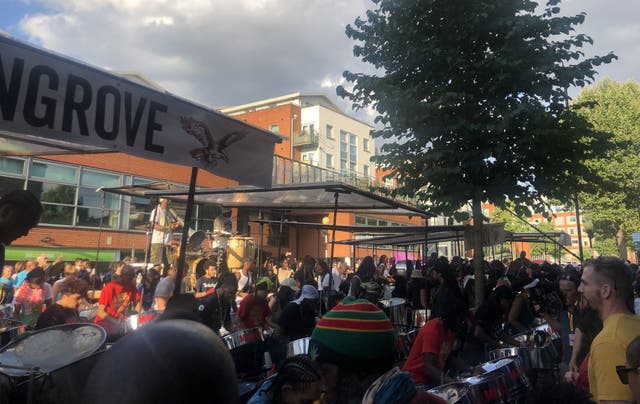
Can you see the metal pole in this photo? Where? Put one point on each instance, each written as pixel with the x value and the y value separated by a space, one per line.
pixel 185 230
pixel 99 237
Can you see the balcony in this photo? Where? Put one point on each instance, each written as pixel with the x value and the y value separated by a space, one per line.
pixel 306 139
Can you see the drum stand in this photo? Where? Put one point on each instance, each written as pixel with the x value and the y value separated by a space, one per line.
pixel 33 370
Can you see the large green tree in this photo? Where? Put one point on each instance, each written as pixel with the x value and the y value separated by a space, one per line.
pixel 614 107
pixel 471 98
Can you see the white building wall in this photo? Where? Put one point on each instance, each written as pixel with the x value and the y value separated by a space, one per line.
pixel 320 117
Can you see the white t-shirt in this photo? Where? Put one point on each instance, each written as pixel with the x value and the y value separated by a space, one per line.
pixel 337 280
pixel 163 219
pixel 636 305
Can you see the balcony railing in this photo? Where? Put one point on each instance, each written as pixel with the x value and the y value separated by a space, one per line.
pixel 306 139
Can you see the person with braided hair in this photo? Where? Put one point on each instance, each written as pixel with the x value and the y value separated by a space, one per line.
pixel 298 381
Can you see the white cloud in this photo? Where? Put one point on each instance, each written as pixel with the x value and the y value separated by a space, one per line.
pixel 215 52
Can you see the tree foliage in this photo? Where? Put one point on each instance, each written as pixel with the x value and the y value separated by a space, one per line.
pixel 471 95
pixel 614 107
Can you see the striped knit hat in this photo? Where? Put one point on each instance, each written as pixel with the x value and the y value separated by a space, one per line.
pixel 356 335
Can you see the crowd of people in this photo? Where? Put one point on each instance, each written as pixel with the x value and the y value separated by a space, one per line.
pixel 353 337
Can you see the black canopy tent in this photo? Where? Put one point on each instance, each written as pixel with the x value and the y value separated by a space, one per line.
pixel 315 197
pixel 53 104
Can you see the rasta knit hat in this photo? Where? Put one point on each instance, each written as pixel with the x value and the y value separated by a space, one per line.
pixel 356 335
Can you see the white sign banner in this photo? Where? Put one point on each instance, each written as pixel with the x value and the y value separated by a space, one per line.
pixel 492 234
pixel 58 99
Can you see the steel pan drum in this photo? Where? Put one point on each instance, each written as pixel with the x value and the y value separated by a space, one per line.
pixel 298 347
pixel 247 349
pixel 524 354
pixel 420 318
pixel 489 388
pixel 243 337
pixel 10 330
pixel 454 393
pixel 396 309
pixel 52 348
pixel 515 378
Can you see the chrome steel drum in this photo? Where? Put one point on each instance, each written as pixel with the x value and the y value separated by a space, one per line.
pixel 549 330
pixel 240 338
pixel 489 388
pixel 456 392
pixel 247 349
pixel 396 310
pixel 52 348
pixel 524 354
pixel 298 347
pixel 420 318
pixel 515 378
pixel 240 249
pixel 404 342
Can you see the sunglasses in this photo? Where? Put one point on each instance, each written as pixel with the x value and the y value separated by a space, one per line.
pixel 623 373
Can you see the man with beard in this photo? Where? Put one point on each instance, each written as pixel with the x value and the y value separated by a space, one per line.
pixel 607 287
pixel 215 308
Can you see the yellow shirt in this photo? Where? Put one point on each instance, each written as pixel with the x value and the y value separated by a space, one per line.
pixel 608 350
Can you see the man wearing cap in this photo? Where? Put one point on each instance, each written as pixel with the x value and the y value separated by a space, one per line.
pixel 298 318
pixel 354 345
pixel 162 225
pixel 19 212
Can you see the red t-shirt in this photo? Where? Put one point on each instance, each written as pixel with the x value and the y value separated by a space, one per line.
pixel 115 297
pixel 253 311
pixel 433 338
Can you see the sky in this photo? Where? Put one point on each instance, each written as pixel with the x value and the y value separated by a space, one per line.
pixel 230 52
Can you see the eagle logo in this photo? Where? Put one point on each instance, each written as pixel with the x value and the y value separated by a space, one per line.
pixel 213 151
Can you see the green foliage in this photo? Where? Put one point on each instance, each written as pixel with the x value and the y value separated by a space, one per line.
pixel 614 107
pixel 472 94
pixel 512 223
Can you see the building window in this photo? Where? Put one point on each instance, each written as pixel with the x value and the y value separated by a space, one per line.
pixel 365 144
pixel 572 231
pixel 572 219
pixel 388 182
pixel 559 221
pixel 309 129
pixel 329 160
pixel 361 219
pixel 366 170
pixel 275 128
pixel 329 131
pixel 94 206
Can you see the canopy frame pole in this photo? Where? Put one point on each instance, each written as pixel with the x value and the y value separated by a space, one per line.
pixel 336 195
pixel 99 237
pixel 185 231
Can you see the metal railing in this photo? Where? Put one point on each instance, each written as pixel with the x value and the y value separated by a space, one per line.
pixel 306 139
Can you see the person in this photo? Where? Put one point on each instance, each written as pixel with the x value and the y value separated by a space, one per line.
pixel 215 308
pixel 207 281
pixel 162 223
pixel 29 266
pixel 254 308
pixel 486 329
pixel 430 354
pixel 567 318
pixel 364 274
pixel 6 285
pixel 607 287
pixel 244 276
pixel 171 361
pixel 629 373
pixel 32 297
pixel 306 272
pixel 417 290
pixel 335 279
pixel 65 310
pixel 286 294
pixel 222 227
pixel 19 212
pixel 84 272
pixel 70 271
pixel 115 299
pixel 298 318
pixel 523 261
pixel 354 345
pixel 521 316
pixel 55 270
pixel 165 288
pixel 298 380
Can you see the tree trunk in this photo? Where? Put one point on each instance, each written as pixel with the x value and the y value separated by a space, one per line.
pixel 621 242
pixel 478 255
